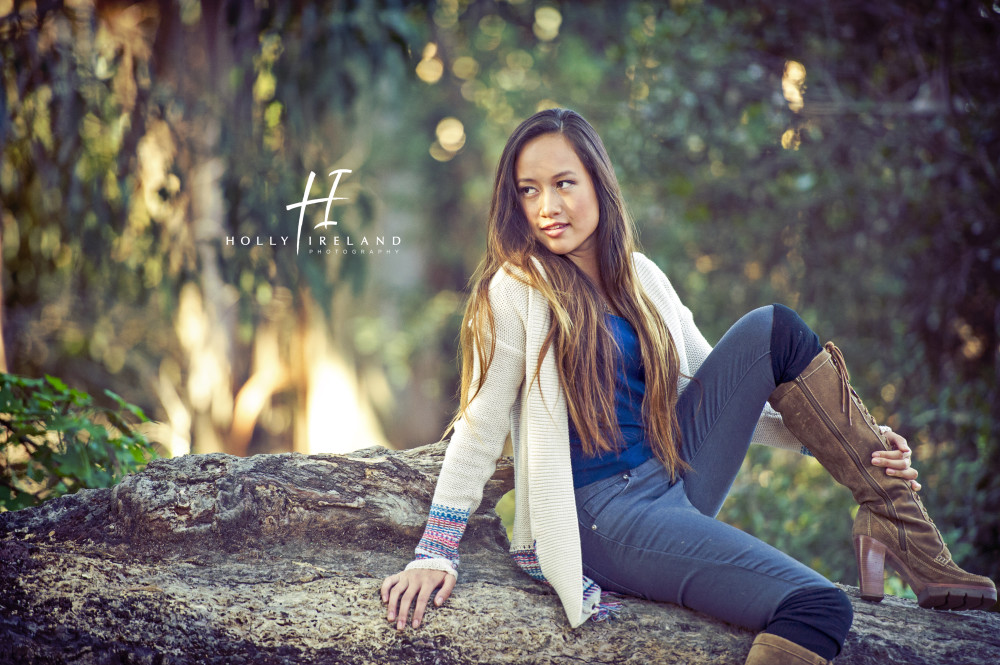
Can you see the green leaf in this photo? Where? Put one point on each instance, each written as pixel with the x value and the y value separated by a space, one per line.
pixel 116 397
pixel 79 398
pixel 137 455
pixel 98 433
pixel 56 383
pixel 131 408
pixel 117 421
pixel 68 448
pixel 63 423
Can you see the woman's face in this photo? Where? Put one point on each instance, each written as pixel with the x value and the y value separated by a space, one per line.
pixel 558 198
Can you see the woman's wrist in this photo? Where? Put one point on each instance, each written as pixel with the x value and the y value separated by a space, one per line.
pixel 433 563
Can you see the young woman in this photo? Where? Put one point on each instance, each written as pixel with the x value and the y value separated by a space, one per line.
pixel 628 428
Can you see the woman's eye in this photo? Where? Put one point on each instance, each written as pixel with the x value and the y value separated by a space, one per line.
pixel 526 191
pixel 563 184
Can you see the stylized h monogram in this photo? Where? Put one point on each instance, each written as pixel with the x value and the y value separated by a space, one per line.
pixel 306 201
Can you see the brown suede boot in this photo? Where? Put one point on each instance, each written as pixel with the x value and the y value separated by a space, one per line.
pixel 822 410
pixel 768 649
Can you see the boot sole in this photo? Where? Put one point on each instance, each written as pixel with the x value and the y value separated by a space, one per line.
pixel 940 597
pixel 871 556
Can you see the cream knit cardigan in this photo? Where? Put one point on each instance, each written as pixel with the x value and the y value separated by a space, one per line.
pixel 545 531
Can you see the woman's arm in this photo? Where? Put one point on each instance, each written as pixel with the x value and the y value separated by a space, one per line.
pixel 470 460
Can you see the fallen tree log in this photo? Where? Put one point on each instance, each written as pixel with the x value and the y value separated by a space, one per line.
pixel 279 559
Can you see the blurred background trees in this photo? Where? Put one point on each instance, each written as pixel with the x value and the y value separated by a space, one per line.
pixel 839 157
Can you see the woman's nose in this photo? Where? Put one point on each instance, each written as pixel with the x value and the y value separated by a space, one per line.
pixel 550 203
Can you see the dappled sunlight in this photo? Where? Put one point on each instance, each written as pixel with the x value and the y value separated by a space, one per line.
pixel 793 83
pixel 791 139
pixel 338 421
pixel 446 13
pixel 547 22
pixel 269 376
pixel 753 270
pixel 175 433
pixel 430 68
pixel 450 138
pixel 208 387
pixel 336 418
pixel 125 36
pixel 465 67
pixel 972 345
pixel 704 263
pixel 156 152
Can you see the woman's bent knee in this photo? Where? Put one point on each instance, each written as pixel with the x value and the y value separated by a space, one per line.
pixel 793 344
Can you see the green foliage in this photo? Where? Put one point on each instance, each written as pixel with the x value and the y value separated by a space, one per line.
pixel 55 440
pixel 861 192
pixel 505 509
pixel 135 140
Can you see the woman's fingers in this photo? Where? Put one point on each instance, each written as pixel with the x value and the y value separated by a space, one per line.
pixel 445 592
pixel 892 459
pixel 898 441
pixel 387 584
pixel 422 597
pixel 398 587
pixel 404 606
pixel 400 590
pixel 897 462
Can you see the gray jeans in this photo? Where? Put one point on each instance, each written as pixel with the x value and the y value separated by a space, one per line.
pixel 645 536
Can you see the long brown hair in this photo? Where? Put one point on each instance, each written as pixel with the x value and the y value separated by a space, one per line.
pixel 584 346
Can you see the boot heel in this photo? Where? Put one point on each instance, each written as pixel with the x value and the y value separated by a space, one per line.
pixel 871 567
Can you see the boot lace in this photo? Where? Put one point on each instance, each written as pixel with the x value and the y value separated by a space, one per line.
pixel 846 390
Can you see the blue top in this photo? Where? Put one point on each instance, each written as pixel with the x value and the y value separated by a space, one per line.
pixel 630 386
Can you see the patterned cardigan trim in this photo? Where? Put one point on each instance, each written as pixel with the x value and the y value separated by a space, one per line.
pixel 444 530
pixel 527 559
pixel 442 534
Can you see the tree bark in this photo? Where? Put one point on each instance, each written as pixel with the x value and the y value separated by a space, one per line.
pixel 279 559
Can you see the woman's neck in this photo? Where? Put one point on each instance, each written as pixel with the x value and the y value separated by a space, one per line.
pixel 587 263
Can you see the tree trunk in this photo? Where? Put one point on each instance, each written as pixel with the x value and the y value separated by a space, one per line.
pixel 279 559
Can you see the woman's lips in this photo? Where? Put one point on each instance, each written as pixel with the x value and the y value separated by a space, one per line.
pixel 554 230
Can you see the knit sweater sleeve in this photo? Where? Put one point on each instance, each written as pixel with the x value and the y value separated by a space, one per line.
pixel 692 345
pixel 478 437
pixel 771 431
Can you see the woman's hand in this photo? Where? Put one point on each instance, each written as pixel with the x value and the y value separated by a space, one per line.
pixel 897 462
pixel 400 589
